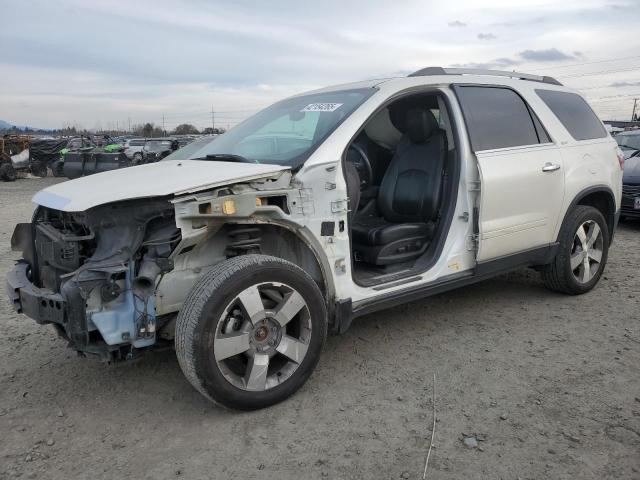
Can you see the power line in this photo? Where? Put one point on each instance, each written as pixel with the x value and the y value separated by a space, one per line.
pixel 600 87
pixel 583 63
pixel 614 98
pixel 603 72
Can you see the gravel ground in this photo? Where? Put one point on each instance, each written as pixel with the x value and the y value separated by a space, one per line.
pixel 547 385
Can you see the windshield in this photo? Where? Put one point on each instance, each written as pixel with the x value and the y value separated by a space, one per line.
pixel 629 141
pixel 286 133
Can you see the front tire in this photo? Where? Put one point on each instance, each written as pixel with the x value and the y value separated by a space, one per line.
pixel 251 331
pixel 583 251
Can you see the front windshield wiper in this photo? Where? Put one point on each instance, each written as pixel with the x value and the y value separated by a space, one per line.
pixel 226 157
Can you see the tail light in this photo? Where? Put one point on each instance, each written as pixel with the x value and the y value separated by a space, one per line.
pixel 620 156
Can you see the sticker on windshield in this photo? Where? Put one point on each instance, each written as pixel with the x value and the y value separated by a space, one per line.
pixel 322 107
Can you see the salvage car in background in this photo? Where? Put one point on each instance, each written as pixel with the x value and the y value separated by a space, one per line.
pixel 393 190
pixel 51 151
pixel 629 143
pixel 156 149
pixel 15 157
pixel 133 149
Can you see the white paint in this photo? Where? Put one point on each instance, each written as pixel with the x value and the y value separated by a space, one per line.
pixel 172 177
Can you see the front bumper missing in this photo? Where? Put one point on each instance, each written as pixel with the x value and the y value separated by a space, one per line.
pixel 41 305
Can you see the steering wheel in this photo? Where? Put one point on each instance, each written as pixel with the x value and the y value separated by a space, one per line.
pixel 362 164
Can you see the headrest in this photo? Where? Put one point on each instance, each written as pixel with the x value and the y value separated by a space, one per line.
pixel 382 131
pixel 420 124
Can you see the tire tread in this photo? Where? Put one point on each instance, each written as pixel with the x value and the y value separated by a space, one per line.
pixel 194 304
pixel 555 275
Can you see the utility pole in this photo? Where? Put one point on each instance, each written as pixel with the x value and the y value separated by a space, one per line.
pixel 164 134
pixel 129 120
pixel 213 120
pixel 633 114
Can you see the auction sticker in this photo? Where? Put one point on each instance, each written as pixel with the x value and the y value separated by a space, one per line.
pixel 322 107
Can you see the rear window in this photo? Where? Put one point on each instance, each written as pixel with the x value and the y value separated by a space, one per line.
pixel 574 113
pixel 498 118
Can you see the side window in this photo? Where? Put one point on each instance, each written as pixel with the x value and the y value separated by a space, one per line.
pixel 497 118
pixel 574 113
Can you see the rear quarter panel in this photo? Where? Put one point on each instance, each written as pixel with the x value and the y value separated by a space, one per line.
pixel 586 163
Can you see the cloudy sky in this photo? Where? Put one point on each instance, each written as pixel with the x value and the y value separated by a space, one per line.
pixel 99 63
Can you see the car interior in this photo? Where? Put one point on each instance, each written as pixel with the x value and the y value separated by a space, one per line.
pixel 401 171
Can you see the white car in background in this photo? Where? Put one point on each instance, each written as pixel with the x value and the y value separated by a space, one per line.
pixel 247 248
pixel 133 149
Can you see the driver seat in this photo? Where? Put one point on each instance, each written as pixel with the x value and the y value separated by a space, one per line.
pixel 409 196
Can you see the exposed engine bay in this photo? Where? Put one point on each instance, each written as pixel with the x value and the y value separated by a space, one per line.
pixel 87 272
pixel 112 279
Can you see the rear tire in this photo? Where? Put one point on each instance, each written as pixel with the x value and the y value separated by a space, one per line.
pixel 39 169
pixel 57 168
pixel 582 255
pixel 7 173
pixel 251 331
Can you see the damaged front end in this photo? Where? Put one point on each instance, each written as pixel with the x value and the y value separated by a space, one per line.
pixel 93 274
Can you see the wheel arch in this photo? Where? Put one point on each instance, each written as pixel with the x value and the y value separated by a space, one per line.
pixel 290 244
pixel 600 197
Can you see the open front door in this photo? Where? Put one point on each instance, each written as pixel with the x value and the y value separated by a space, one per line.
pixel 521 174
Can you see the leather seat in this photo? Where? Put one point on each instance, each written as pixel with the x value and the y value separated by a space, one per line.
pixel 409 196
pixel 372 230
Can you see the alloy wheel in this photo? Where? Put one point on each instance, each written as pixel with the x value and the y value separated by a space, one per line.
pixel 262 336
pixel 586 254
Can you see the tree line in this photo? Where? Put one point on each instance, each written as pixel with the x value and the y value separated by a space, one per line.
pixel 147 130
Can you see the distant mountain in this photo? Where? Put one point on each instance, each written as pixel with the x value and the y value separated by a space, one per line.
pixel 7 126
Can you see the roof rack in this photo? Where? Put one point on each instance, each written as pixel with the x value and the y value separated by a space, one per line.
pixel 425 72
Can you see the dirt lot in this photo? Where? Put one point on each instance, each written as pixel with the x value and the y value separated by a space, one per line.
pixel 548 385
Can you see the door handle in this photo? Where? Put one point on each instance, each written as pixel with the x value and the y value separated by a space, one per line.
pixel 550 167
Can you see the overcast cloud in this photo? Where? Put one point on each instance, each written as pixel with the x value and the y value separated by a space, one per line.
pixel 94 63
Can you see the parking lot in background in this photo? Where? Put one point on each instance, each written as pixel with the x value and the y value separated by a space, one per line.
pixel 545 384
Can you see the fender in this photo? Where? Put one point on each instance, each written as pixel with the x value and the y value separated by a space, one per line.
pixel 611 218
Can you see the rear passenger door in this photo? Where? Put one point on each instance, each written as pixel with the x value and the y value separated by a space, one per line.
pixel 522 183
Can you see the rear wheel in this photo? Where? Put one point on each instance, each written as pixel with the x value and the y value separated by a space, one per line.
pixel 7 172
pixel 582 255
pixel 57 168
pixel 39 169
pixel 251 331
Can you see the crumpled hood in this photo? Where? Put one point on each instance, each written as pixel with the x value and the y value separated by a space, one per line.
pixel 172 177
pixel 631 170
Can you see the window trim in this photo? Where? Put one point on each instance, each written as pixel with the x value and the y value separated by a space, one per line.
pixel 456 87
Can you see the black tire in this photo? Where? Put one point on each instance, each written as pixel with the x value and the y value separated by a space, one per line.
pixel 39 169
pixel 7 173
pixel 137 158
pixel 57 168
pixel 558 275
pixel 205 305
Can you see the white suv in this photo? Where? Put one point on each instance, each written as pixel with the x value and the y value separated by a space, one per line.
pixel 245 249
pixel 133 149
